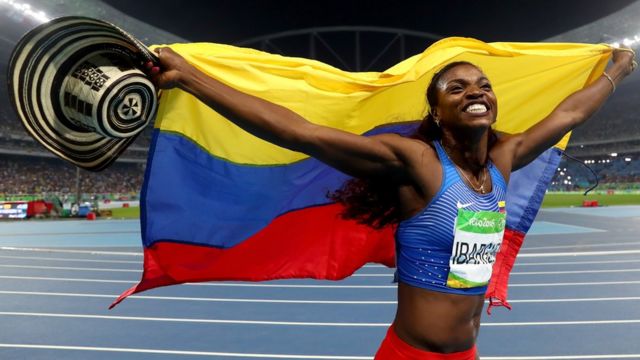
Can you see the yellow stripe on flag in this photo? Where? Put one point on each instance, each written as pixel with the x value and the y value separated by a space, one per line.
pixel 529 79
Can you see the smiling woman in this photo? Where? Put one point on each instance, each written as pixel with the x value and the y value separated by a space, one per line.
pixel 418 183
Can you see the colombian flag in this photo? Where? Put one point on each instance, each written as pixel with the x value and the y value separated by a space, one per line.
pixel 221 204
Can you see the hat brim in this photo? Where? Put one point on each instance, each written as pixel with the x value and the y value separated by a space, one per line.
pixel 34 80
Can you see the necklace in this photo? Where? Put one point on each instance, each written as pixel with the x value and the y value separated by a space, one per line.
pixel 479 189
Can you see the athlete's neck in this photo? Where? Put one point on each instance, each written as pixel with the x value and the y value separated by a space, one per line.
pixel 469 150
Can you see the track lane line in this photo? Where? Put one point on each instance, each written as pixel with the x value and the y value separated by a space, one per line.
pixel 179 352
pixel 289 356
pixel 388 274
pixel 299 323
pixel 286 301
pixel 222 284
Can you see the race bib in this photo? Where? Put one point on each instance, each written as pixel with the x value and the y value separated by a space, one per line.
pixel 477 239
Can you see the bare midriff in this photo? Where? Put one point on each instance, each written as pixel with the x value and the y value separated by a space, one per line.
pixel 436 321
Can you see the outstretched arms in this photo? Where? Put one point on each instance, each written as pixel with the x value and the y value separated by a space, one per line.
pixel 353 154
pixel 571 112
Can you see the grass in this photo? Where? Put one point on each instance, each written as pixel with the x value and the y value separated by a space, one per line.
pixel 125 213
pixel 576 199
pixel 550 200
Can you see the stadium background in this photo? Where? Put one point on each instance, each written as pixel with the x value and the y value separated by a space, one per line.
pixel 351 35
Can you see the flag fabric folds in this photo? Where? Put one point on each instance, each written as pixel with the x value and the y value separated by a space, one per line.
pixel 221 204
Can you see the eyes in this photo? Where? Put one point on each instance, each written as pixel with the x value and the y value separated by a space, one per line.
pixel 456 88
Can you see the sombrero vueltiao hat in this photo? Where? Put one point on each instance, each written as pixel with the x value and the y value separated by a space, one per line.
pixel 77 86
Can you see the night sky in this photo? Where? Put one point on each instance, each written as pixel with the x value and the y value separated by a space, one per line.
pixel 231 21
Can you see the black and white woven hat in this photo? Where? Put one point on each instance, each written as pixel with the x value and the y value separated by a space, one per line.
pixel 77 85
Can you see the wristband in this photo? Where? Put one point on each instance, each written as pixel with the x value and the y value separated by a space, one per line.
pixel 613 85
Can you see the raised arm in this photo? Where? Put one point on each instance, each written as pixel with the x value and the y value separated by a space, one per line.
pixel 353 154
pixel 571 112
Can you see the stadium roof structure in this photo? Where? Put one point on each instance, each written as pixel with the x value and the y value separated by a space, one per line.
pixel 359 35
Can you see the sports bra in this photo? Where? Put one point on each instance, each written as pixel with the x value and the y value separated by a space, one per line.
pixel 451 244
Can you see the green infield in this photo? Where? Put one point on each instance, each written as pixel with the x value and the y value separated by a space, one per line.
pixel 550 200
pixel 576 199
pixel 125 213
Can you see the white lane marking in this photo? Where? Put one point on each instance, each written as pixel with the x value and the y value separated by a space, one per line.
pixel 193 320
pixel 573 272
pixel 70 259
pixel 389 274
pixel 178 352
pixel 521 255
pixel 531 301
pixel 579 246
pixel 221 284
pixel 300 323
pixel 365 266
pixel 553 323
pixel 564 357
pixel 290 356
pixel 11 277
pixel 577 262
pixel 579 253
pixel 68 268
pixel 69 251
pixel 180 298
pixel 118 261
pixel 129 270
pixel 576 283
pixel 632 282
pixel 278 301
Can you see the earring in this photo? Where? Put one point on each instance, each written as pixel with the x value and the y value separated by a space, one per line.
pixel 437 122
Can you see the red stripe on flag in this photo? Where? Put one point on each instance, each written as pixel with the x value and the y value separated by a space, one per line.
pixel 506 258
pixel 313 242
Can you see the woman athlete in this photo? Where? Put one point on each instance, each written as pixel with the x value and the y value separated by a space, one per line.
pixel 455 168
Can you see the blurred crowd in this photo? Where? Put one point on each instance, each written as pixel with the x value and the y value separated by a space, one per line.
pixel 14 136
pixel 27 168
pixel 615 121
pixel 31 175
pixel 613 173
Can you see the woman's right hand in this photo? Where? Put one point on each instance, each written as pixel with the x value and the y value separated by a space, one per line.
pixel 172 70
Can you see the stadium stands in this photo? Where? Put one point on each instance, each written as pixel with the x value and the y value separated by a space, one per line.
pixel 43 176
pixel 26 168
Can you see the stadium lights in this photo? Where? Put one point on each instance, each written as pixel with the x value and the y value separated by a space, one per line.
pixel 561 172
pixel 627 159
pixel 614 154
pixel 628 42
pixel 26 10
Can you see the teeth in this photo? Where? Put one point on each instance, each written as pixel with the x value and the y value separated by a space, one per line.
pixel 476 108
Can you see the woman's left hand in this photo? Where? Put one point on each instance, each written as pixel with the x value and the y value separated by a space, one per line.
pixel 624 59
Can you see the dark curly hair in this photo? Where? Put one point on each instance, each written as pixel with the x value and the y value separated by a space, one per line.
pixel 374 201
